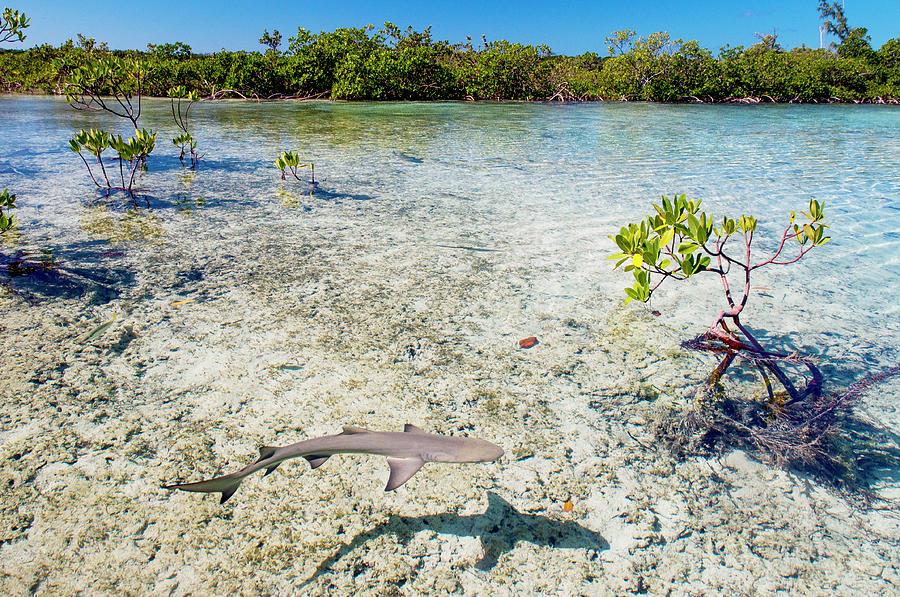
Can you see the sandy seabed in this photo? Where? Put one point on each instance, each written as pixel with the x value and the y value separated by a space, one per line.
pixel 246 313
pixel 334 314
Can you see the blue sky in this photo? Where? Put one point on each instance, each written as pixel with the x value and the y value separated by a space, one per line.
pixel 568 28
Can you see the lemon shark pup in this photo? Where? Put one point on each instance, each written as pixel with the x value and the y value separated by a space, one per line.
pixel 406 452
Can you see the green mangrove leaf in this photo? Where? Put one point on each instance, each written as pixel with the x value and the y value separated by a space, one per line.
pixel 687 247
pixel 666 237
pixel 693 224
pixel 815 210
pixel 729 226
pixel 808 233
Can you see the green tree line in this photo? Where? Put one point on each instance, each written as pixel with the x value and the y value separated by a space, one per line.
pixel 393 64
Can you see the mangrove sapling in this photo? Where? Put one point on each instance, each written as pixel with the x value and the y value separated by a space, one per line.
pixel 134 152
pixel 114 85
pixel 291 161
pixel 12 26
pixel 181 115
pixel 7 202
pixel 109 83
pixel 186 140
pixel 680 241
pixel 95 142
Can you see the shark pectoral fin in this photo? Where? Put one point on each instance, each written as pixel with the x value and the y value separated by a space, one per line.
pixel 401 470
pixel 410 428
pixel 227 494
pixel 353 430
pixel 316 460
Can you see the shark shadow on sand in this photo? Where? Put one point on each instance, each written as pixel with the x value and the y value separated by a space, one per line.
pixel 499 528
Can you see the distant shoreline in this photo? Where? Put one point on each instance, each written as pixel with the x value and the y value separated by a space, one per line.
pixel 739 101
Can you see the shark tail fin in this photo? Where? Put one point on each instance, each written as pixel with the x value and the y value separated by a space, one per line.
pixel 227 484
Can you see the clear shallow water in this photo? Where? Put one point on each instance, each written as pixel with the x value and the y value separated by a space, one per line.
pixel 367 304
pixel 546 182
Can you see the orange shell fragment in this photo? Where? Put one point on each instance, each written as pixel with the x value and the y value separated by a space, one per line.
pixel 528 342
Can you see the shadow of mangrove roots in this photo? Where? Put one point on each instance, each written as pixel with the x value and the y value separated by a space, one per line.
pixel 499 528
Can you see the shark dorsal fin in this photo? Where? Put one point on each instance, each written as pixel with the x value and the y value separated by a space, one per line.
pixel 401 470
pixel 353 430
pixel 410 428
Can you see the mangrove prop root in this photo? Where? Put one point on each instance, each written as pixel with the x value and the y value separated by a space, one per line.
pixel 806 433
pixel 755 353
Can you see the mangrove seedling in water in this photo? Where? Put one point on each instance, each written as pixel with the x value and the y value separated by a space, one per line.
pixel 680 241
pixel 186 141
pixel 134 151
pixel 289 160
pixel 114 85
pixel 95 142
pixel 7 202
pixel 181 115
pixel 793 425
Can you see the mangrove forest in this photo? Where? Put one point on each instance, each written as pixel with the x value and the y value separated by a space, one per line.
pixel 390 63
